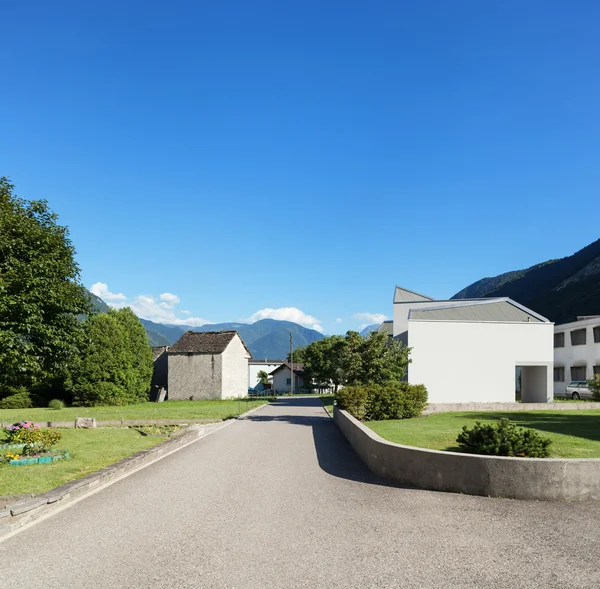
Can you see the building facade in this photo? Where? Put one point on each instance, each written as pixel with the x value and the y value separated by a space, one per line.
pixel 282 379
pixel 208 365
pixel 576 352
pixel 255 366
pixel 468 351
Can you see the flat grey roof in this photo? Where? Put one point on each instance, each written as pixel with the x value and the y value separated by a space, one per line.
pixel 484 310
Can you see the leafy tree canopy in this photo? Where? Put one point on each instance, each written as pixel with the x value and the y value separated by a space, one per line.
pixel 114 366
pixel 40 292
pixel 352 359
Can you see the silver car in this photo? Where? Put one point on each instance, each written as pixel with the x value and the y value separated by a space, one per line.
pixel 578 389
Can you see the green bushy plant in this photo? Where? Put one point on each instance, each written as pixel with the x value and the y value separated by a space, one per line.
pixel 353 399
pixel 16 398
pixel 56 404
pixel 377 402
pixel 503 438
pixel 594 386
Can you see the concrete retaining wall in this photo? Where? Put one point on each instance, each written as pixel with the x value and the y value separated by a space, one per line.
pixel 446 407
pixel 546 479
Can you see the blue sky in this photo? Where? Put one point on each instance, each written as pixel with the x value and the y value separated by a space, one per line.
pixel 298 159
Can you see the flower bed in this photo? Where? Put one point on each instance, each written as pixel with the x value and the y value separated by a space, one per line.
pixel 33 443
pixel 43 459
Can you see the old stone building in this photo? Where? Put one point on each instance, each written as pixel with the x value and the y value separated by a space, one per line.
pixel 208 365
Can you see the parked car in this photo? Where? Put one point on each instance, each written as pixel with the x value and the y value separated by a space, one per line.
pixel 578 389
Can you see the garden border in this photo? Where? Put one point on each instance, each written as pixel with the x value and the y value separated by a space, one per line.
pixel 544 479
pixel 453 407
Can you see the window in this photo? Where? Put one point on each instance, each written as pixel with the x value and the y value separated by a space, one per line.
pixel 597 335
pixel 578 337
pixel 596 370
pixel 288 381
pixel 578 372
pixel 559 340
pixel 559 374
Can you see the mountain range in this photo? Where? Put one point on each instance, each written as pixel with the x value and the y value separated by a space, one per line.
pixel 560 290
pixel 267 338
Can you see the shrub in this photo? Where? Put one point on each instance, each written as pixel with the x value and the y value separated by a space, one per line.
pixel 17 398
pixel 56 404
pixel 375 402
pixel 594 385
pixel 503 438
pixel 353 399
pixel 36 440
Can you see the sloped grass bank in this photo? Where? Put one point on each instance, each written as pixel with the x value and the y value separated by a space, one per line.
pixel 90 450
pixel 573 434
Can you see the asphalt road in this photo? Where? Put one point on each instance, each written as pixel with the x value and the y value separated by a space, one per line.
pixel 280 500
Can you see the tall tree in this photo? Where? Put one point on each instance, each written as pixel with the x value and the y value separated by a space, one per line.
pixel 140 360
pixel 40 292
pixel 263 377
pixel 114 365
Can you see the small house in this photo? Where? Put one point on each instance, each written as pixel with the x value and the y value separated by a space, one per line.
pixel 208 365
pixel 282 378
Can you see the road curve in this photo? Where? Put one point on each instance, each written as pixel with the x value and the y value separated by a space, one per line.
pixel 280 500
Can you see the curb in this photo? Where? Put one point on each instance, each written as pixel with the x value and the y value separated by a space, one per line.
pixel 16 516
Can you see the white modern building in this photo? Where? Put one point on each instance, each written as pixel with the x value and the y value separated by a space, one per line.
pixel 469 350
pixel 576 351
pixel 255 366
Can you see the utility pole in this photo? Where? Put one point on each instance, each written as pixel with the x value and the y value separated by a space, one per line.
pixel 291 366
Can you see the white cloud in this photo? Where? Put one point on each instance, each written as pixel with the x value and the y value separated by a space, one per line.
pixel 100 289
pixel 288 314
pixel 370 318
pixel 168 300
pixel 148 307
pixel 338 320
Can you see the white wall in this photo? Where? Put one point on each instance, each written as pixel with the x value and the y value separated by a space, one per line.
pixel 279 380
pixel 587 355
pixel 254 369
pixel 235 370
pixel 466 362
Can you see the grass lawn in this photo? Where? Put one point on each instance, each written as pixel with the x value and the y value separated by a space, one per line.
pixel 574 434
pixel 91 449
pixel 215 410
pixel 328 402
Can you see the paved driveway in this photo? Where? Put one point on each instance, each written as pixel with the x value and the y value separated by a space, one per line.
pixel 280 500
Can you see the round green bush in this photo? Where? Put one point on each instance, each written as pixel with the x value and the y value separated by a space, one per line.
pixel 503 438
pixel 17 399
pixel 56 404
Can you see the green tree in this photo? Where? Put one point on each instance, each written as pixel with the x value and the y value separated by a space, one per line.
pixel 263 377
pixel 40 292
pixel 114 366
pixel 352 359
pixel 140 360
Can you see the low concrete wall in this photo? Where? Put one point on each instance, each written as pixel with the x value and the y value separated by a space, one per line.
pixel 447 407
pixel 546 479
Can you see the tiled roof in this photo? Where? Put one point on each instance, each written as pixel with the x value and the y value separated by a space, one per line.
pixel 205 342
